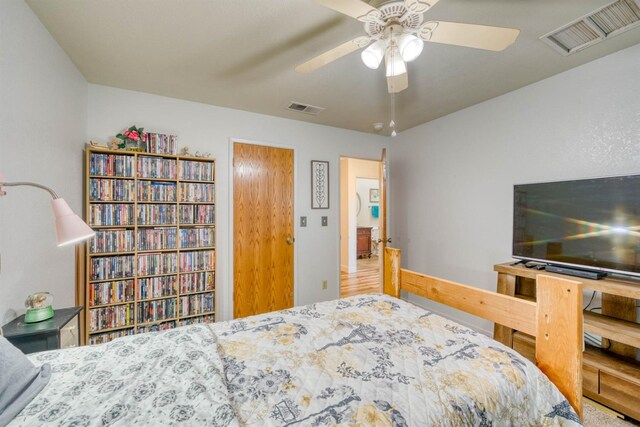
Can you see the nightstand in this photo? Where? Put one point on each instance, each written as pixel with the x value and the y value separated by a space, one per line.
pixel 61 331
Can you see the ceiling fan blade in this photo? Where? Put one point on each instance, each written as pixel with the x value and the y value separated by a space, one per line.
pixel 419 6
pixel 353 8
pixel 469 35
pixel 398 83
pixel 333 54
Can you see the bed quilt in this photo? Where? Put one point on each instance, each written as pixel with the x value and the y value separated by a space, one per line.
pixel 370 360
pixel 155 379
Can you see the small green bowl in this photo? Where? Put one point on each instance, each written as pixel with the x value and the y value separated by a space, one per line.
pixel 34 315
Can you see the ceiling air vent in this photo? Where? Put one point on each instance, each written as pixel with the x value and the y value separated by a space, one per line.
pixel 304 108
pixel 606 22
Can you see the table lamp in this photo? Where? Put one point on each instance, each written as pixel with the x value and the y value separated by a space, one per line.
pixel 69 229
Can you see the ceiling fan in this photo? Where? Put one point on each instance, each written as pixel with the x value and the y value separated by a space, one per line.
pixel 398 32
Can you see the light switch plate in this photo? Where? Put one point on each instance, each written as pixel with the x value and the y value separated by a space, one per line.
pixel 325 221
pixel 303 221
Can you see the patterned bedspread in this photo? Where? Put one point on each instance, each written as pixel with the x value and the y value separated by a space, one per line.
pixel 365 361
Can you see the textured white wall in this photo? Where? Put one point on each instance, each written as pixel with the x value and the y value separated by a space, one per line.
pixel 363 185
pixel 453 177
pixel 43 124
pixel 209 128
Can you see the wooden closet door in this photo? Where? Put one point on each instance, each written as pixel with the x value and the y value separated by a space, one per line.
pixel 263 229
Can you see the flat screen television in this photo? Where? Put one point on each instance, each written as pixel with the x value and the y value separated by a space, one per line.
pixel 590 224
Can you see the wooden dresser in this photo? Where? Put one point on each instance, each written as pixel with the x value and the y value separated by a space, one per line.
pixel 611 375
pixel 364 242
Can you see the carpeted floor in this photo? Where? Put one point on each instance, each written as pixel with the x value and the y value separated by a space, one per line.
pixel 594 417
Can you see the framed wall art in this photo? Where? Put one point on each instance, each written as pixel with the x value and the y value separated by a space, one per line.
pixel 374 195
pixel 319 184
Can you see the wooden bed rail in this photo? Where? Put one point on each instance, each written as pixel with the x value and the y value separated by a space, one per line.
pixel 555 319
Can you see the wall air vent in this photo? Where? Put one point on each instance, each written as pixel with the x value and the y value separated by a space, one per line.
pixel 606 22
pixel 304 108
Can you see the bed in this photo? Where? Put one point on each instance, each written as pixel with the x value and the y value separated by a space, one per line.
pixel 371 360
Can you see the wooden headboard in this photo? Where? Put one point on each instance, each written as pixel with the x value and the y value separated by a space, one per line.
pixel 555 319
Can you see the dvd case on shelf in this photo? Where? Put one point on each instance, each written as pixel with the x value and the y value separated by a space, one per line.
pixel 196 171
pixel 157 238
pixel 157 287
pixel 197 214
pixel 101 215
pixel 111 190
pixel 149 214
pixel 116 316
pixel 111 165
pixel 115 240
pixel 156 167
pixel 118 291
pixel 196 192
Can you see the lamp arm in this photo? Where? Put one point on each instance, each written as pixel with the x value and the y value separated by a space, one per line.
pixel 28 184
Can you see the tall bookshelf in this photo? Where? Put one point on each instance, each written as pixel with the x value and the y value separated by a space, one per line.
pixel 151 265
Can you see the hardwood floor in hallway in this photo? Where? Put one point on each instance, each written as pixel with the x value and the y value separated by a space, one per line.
pixel 365 280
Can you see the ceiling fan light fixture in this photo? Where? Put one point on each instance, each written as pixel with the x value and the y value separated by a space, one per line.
pixel 372 56
pixel 394 63
pixel 410 47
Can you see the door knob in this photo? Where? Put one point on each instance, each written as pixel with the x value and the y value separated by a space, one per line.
pixel 290 240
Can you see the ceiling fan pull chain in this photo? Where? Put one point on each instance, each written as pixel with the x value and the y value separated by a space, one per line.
pixel 392 122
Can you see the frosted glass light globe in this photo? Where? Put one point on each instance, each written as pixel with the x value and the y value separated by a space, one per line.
pixel 410 47
pixel 372 56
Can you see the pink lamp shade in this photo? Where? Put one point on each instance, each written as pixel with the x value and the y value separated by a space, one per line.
pixel 69 227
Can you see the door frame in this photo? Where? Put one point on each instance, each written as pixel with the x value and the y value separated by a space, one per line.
pixel 228 299
pixel 347 156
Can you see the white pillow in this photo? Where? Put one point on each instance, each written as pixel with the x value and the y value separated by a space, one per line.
pixel 20 381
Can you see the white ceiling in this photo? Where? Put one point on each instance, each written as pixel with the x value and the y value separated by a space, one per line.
pixel 242 53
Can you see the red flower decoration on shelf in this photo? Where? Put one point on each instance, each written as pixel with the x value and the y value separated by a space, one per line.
pixel 132 138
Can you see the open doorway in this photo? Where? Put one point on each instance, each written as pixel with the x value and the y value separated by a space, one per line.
pixel 359 226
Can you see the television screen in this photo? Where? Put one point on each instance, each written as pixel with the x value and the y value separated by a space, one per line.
pixel 590 223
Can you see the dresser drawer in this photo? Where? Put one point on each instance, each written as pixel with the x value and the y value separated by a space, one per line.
pixel 622 395
pixel 590 380
pixel 525 345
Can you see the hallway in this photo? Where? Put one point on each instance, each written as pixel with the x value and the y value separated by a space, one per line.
pixel 365 280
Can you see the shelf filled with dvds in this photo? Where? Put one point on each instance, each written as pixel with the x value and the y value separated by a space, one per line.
pixel 99 338
pixel 113 165
pixel 155 327
pixel 109 293
pixel 151 265
pixel 156 167
pixel 196 171
pixel 197 214
pixel 115 240
pixel 156 214
pixel 156 191
pixel 196 192
pixel 104 318
pixel 111 190
pixel 205 318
